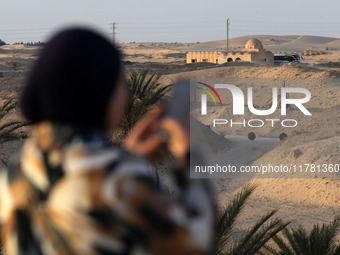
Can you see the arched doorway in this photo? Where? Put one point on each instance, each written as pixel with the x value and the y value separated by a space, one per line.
pixel 237 59
pixel 230 60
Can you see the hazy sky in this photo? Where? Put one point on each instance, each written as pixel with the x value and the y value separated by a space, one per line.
pixel 169 20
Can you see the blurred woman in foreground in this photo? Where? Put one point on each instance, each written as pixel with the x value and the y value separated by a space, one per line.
pixel 71 191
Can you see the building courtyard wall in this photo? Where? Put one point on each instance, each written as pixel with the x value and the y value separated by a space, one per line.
pixel 253 52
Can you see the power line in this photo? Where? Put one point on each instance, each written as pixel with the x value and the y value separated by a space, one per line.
pixel 114 32
pixel 190 28
pixel 139 26
pixel 171 23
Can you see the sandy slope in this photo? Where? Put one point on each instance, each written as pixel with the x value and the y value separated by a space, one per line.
pixel 315 141
pixel 304 201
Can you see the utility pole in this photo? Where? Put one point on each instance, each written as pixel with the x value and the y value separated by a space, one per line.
pixel 113 32
pixel 228 49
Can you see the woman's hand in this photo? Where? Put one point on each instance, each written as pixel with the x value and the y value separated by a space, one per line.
pixel 179 138
pixel 155 133
pixel 144 139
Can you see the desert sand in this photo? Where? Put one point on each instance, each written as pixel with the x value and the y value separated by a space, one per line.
pixel 302 200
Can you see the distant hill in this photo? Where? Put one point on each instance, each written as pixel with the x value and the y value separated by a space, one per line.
pixel 272 42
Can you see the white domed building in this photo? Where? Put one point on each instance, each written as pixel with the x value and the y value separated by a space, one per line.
pixel 253 52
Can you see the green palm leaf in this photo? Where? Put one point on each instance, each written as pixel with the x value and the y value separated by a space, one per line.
pixel 254 239
pixel 145 92
pixel 321 240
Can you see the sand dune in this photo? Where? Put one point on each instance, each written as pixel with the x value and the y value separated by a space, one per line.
pixel 307 40
pixel 270 42
pixel 334 44
pixel 242 40
pixel 302 43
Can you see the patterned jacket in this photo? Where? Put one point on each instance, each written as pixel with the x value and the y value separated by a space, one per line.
pixel 71 192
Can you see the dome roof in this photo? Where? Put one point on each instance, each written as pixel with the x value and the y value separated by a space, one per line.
pixel 254 44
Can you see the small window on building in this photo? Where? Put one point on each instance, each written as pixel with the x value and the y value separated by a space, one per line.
pixel 193 60
pixel 204 60
pixel 216 61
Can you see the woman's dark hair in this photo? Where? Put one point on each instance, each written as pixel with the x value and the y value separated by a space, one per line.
pixel 73 80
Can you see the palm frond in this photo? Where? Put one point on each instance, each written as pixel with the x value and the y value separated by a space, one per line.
pixel 145 93
pixel 255 239
pixel 226 219
pixel 9 129
pixel 321 240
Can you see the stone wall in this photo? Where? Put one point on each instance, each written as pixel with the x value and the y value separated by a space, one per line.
pixel 253 52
